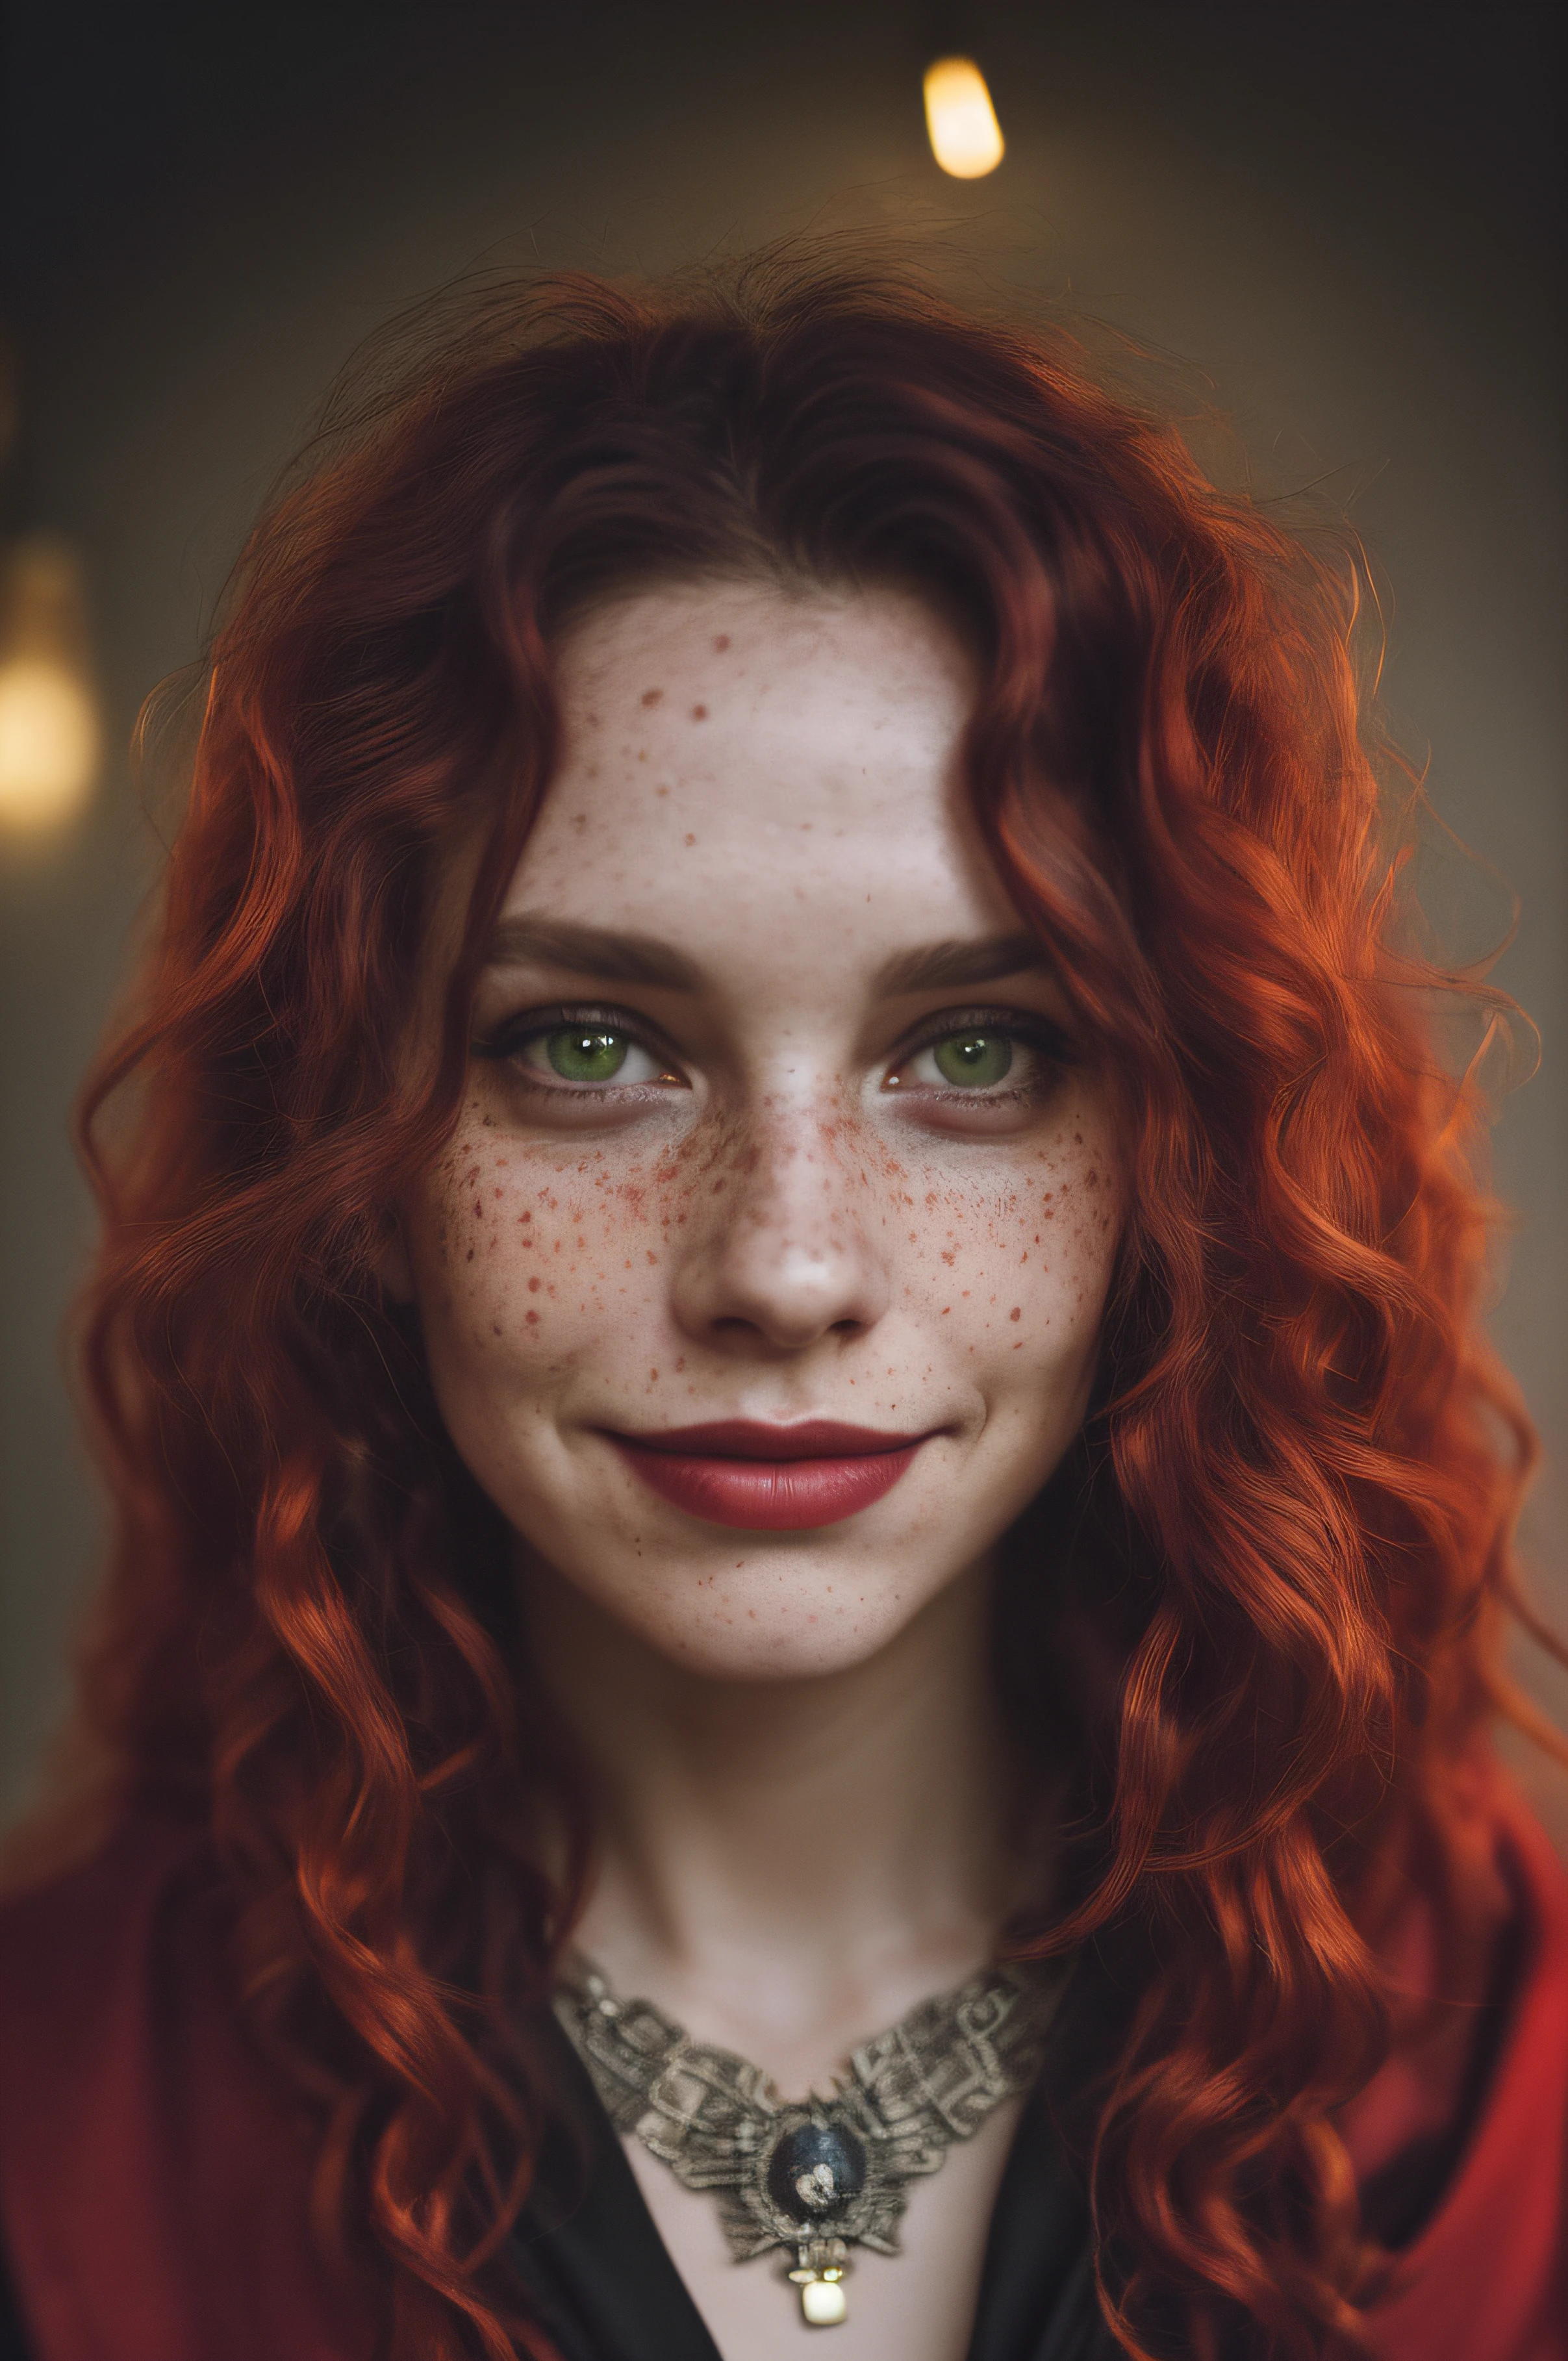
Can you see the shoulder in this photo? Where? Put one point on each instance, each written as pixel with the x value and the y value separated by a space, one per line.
pixel 101 1978
pixel 88 1923
pixel 1487 2277
pixel 142 2138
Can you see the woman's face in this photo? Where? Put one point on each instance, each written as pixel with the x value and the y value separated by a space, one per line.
pixel 762 1279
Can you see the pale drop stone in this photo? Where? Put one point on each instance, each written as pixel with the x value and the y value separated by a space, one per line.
pixel 823 2302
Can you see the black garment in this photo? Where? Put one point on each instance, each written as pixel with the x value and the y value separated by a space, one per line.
pixel 602 2283
pixel 13 2346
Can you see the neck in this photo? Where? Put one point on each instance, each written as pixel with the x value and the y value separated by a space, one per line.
pixel 788 1866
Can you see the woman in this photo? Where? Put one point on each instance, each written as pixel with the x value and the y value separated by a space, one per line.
pixel 786 1343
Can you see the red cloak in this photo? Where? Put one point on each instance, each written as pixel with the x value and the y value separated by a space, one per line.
pixel 153 2183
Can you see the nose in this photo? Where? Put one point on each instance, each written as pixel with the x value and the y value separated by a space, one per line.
pixel 783 1258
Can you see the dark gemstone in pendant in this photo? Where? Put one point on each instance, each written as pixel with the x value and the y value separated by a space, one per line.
pixel 815 2170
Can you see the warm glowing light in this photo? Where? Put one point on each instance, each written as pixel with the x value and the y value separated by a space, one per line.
pixel 966 138
pixel 49 743
pixel 48 716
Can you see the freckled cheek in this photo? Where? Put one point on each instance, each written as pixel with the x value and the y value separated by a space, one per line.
pixel 1017 1269
pixel 533 1259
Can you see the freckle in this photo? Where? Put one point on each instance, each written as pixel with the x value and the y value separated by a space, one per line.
pixel 652 697
pixel 1016 1313
pixel 688 839
pixel 699 713
pixel 720 644
pixel 469 1256
pixel 661 791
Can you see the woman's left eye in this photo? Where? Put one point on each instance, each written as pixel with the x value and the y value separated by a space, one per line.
pixel 971 1062
pixel 978 1059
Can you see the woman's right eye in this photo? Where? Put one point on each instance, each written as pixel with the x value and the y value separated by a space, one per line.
pixel 588 1056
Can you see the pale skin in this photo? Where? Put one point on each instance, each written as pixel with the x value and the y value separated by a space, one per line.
pixel 755 884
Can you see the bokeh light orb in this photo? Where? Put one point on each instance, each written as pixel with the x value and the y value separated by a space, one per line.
pixel 966 138
pixel 49 743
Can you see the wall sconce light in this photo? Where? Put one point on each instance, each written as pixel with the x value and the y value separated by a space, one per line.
pixel 49 734
pixel 966 138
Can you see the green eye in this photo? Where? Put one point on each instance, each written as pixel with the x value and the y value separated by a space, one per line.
pixel 586 1053
pixel 973 1060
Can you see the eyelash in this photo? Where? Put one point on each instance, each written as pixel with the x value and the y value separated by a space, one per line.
pixel 514 1033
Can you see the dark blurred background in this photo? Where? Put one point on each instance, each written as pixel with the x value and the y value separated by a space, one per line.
pixel 1346 215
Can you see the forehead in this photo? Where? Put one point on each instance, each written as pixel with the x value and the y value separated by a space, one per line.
pixel 740 758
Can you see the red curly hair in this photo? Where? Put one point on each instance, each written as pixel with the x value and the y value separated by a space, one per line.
pixel 1292 1506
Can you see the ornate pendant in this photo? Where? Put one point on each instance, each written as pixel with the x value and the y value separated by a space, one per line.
pixel 821 2176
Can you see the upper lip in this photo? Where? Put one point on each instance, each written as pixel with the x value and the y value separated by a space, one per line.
pixel 748 1438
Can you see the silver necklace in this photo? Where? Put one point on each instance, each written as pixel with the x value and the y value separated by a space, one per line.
pixel 822 2174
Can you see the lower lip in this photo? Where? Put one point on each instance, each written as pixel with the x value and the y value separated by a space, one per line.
pixel 771 1496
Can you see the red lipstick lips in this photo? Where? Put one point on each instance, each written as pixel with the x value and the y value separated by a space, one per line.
pixel 770 1478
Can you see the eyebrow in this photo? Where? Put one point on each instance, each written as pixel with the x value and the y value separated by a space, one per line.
pixel 946 966
pixel 605 953
pixel 593 950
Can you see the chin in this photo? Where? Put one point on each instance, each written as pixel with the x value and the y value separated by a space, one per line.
pixel 786 1648
pixel 772 1619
